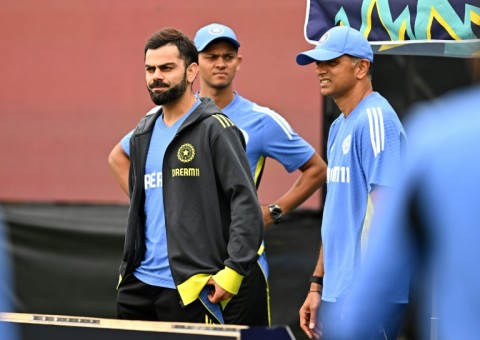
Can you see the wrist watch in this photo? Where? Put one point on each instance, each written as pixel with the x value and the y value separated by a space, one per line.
pixel 275 213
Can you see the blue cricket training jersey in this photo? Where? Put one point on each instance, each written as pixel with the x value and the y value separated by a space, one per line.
pixel 155 267
pixel 267 134
pixel 365 149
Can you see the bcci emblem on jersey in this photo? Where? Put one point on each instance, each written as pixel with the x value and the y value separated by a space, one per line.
pixel 347 142
pixel 186 153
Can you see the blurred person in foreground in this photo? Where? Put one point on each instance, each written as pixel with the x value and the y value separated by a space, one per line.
pixel 430 226
pixel 195 223
pixel 365 151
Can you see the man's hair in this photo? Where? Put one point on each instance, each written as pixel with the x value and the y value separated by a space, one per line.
pixel 186 47
pixel 356 59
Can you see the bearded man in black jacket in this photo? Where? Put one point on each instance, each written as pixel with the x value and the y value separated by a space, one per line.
pixel 195 224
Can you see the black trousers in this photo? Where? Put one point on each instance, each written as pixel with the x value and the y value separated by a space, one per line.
pixel 137 300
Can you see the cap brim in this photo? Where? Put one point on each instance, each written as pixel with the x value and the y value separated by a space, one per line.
pixel 206 43
pixel 314 55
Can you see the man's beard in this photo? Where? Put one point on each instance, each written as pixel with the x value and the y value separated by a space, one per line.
pixel 170 95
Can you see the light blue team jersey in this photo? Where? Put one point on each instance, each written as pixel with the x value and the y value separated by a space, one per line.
pixel 155 268
pixel 365 150
pixel 267 134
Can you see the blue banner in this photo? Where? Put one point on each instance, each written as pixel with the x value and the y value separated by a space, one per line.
pixel 448 28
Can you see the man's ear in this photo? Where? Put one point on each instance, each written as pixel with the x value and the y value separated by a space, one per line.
pixel 192 72
pixel 239 58
pixel 363 68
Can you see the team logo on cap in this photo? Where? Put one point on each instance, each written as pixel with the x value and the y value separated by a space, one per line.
pixel 323 38
pixel 347 142
pixel 216 30
pixel 186 153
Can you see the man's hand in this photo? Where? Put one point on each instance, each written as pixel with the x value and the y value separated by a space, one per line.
pixel 308 316
pixel 217 293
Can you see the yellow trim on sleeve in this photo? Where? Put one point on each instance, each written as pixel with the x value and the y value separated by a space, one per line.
pixel 229 280
pixel 223 120
pixel 190 289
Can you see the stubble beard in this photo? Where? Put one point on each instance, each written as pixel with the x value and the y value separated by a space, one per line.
pixel 170 95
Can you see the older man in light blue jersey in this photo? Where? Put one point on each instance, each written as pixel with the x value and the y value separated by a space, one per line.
pixel 366 146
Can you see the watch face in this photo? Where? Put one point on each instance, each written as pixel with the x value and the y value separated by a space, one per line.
pixel 275 212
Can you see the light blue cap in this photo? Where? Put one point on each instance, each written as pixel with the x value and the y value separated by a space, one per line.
pixel 336 42
pixel 209 33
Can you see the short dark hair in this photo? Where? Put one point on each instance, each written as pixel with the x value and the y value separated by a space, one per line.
pixel 186 47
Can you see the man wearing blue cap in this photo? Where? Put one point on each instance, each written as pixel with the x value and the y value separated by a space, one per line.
pixel 267 134
pixel 365 149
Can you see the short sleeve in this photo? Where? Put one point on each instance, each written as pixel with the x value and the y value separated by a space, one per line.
pixel 283 144
pixel 125 142
pixel 383 147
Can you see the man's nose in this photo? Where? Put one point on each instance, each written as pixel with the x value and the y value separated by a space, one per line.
pixel 320 67
pixel 158 74
pixel 221 63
